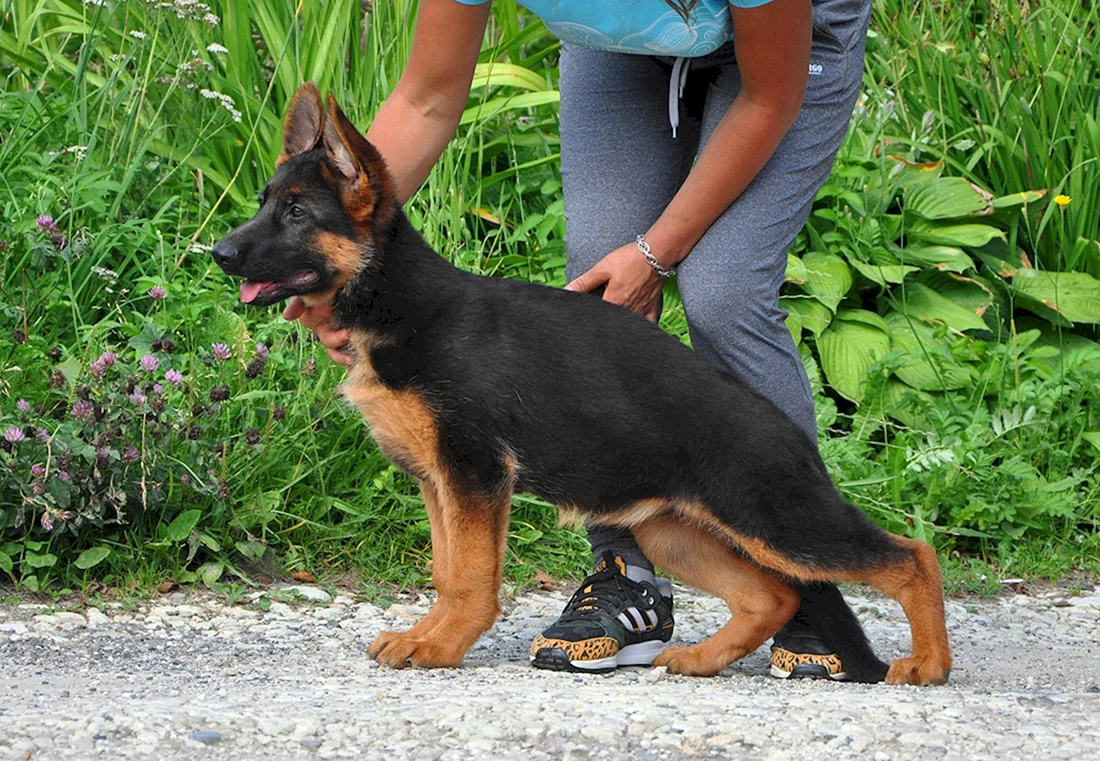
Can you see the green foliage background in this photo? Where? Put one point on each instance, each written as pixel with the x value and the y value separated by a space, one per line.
pixel 944 293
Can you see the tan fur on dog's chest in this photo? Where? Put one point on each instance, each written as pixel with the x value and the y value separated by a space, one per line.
pixel 401 422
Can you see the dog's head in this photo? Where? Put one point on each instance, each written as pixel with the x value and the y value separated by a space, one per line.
pixel 315 227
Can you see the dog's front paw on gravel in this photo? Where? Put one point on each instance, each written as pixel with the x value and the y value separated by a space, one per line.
pixel 689 661
pixel 919 670
pixel 402 649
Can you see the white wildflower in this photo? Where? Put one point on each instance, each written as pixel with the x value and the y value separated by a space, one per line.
pixel 227 102
pixel 138 35
pixel 194 65
pixel 215 48
pixel 79 151
pixel 109 275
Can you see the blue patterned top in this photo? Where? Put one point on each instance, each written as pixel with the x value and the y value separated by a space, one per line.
pixel 648 27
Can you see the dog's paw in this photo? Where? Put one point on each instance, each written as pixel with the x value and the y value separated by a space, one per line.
pixel 402 649
pixel 689 661
pixel 919 670
pixel 381 641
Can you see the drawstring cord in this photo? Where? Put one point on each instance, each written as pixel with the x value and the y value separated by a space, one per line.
pixel 676 90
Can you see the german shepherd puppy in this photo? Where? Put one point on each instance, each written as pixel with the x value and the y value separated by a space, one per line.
pixel 481 387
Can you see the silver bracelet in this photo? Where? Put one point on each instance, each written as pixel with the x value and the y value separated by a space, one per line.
pixel 647 252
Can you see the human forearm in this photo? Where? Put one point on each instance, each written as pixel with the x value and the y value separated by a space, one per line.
pixel 411 139
pixel 772 43
pixel 741 144
pixel 419 118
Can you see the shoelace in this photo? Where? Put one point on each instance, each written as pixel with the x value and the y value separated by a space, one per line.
pixel 605 590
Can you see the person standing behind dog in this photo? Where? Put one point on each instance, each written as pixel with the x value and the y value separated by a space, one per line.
pixel 694 137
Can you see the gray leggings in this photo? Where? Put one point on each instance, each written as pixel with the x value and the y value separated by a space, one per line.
pixel 621 166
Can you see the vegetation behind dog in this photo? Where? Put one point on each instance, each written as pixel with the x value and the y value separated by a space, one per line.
pixel 943 294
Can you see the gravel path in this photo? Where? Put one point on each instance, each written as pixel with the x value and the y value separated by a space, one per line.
pixel 194 678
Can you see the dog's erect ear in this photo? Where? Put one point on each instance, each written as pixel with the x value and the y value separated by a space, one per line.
pixel 304 123
pixel 341 141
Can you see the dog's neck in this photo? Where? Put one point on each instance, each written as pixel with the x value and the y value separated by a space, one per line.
pixel 401 284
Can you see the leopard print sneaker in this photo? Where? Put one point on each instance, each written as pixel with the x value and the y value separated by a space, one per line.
pixel 610 621
pixel 798 652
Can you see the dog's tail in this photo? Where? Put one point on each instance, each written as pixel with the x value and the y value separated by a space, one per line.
pixel 829 615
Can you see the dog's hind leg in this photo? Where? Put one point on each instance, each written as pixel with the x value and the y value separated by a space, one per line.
pixel 916 583
pixel 760 603
pixel 847 546
pixel 469 547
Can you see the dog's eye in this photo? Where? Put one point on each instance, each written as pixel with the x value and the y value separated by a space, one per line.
pixel 297 211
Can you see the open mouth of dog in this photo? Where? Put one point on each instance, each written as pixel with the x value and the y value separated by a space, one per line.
pixel 263 293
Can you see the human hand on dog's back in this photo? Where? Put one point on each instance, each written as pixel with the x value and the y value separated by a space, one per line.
pixel 626 279
pixel 318 319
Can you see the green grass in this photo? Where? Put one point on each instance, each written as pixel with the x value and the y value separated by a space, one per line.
pixel 104 130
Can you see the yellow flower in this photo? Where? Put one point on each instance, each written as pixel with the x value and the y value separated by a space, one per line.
pixel 1062 200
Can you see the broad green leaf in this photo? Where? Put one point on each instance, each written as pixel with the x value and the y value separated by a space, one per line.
pixel 879 256
pixel 915 173
pixel 211 572
pixel 827 277
pixel 896 396
pixel 5 562
pixel 1092 437
pixel 922 303
pixel 1018 199
pixel 180 528
pixel 848 349
pixel 35 560
pixel 813 315
pixel 1075 296
pixel 813 372
pixel 896 401
pixel 91 557
pixel 252 550
pixel 944 258
pixel 971 293
pixel 864 316
pixel 883 274
pixel 70 368
pixel 948 197
pixel 1071 350
pixel 30 582
pixel 970 235
pixel 929 366
pixel 794 324
pixel 796 270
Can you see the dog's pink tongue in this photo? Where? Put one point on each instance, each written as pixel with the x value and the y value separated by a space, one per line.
pixel 250 289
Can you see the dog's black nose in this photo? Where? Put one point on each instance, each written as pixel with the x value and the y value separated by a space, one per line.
pixel 225 253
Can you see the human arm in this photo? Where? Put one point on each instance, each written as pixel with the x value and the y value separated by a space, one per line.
pixel 772 43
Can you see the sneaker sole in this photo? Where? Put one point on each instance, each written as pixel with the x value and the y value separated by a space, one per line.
pixel 641 654
pixel 807 671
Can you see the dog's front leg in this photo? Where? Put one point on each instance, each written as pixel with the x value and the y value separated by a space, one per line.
pixel 468 537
